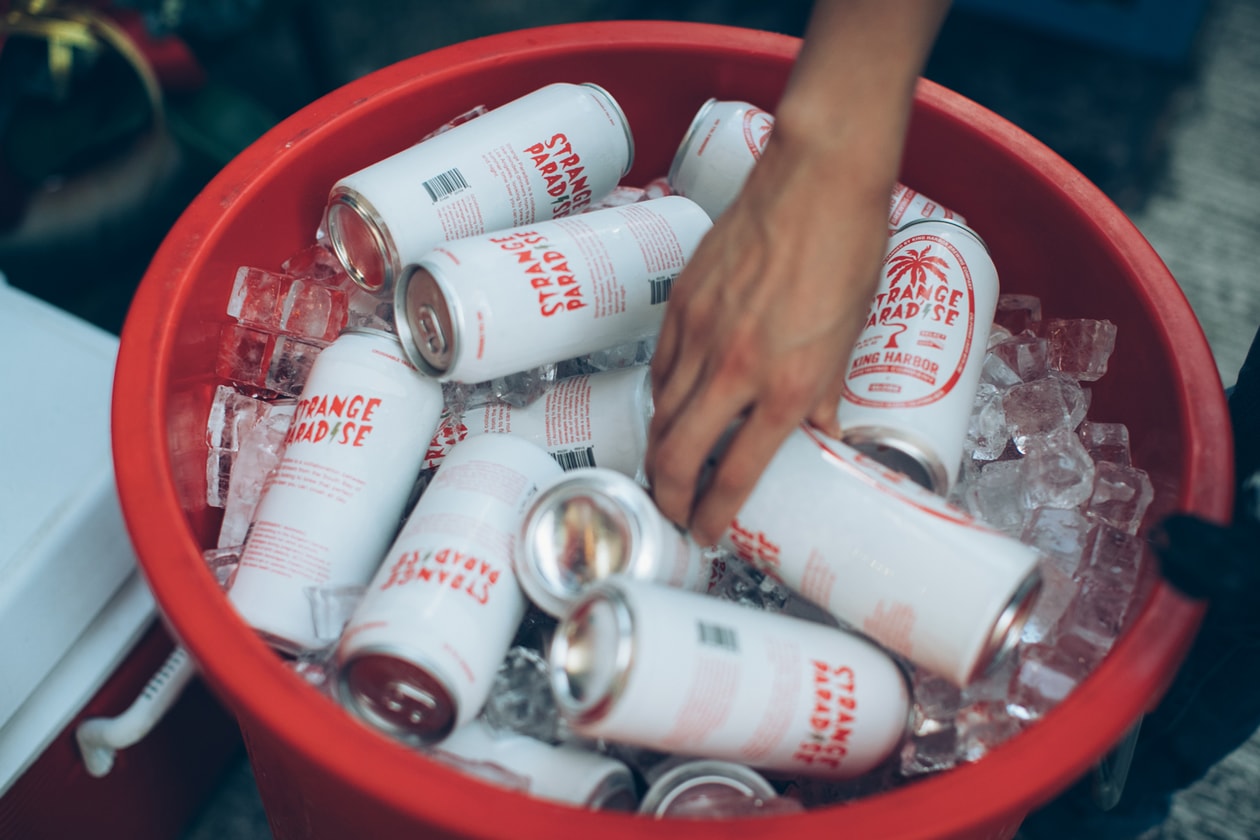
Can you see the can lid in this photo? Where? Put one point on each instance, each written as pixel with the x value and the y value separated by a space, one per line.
pixel 579 530
pixel 360 241
pixel 397 696
pixel 1006 631
pixel 968 229
pixel 615 792
pixel 684 145
pixel 704 779
pixel 625 123
pixel 590 655
pixel 423 320
pixel 898 451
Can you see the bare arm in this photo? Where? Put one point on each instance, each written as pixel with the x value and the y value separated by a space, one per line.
pixel 763 318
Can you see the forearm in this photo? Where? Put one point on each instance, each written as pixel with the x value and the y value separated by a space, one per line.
pixel 850 94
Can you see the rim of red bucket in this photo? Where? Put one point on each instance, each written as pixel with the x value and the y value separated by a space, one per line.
pixel 250 679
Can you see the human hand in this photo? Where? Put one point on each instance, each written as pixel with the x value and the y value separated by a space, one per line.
pixel 759 327
pixel 762 320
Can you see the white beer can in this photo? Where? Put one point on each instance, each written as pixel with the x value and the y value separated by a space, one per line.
pixel 560 773
pixel 906 206
pixel 547 154
pixel 638 663
pixel 596 419
pixel 591 523
pixel 915 367
pixel 422 648
pixel 511 300
pixel 887 557
pixel 328 512
pixel 721 146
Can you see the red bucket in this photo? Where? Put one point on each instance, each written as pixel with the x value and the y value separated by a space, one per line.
pixel 1052 233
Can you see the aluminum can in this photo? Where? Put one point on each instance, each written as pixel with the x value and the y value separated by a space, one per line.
pixel 512 300
pixel 720 147
pixel 886 557
pixel 687 787
pixel 591 523
pixel 638 663
pixel 547 154
pixel 906 206
pixel 588 420
pixel 915 367
pixel 421 650
pixel 329 510
pixel 560 773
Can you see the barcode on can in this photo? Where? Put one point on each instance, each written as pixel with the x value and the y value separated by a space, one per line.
pixel 440 186
pixel 715 635
pixel 572 459
pixel 661 287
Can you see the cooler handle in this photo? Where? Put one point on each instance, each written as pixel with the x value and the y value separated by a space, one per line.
pixel 99 739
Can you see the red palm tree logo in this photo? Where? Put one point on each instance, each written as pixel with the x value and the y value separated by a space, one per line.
pixel 914 267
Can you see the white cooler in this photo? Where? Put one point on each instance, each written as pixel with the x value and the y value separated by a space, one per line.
pixel 104 729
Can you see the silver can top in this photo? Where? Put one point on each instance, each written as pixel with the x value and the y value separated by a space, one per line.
pixel 423 319
pixel 621 117
pixel 590 656
pixel 689 137
pixel 703 779
pixel 901 452
pixel 578 530
pixel 397 696
pixel 1006 631
pixel 361 241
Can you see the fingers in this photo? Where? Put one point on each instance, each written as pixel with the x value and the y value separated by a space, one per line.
pixel 825 414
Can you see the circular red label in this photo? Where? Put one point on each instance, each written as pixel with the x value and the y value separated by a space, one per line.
pixel 919 330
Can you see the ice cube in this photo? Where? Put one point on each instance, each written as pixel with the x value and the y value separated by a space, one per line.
pixel 520 697
pixel 996 496
pixel 261 448
pixel 613 358
pixel 986 430
pixel 1106 442
pixel 996 372
pixel 256 295
pixel 1036 408
pixel 1079 347
pixel 1025 354
pixel 244 355
pixel 1121 495
pixel 1047 674
pixel 218 475
pixel 523 388
pixel 1058 590
pixel 223 563
pixel 984 726
pixel 1017 312
pixel 331 608
pixel 1060 535
pixel 317 263
pixel 1057 471
pixel 997 334
pixel 313 311
pixel 291 362
pixel 1109 575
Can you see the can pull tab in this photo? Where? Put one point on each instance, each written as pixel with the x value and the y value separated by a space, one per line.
pixel 432 336
pixel 408 701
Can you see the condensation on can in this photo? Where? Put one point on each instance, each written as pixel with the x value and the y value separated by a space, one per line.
pixel 914 340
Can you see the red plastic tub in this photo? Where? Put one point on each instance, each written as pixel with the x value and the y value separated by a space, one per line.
pixel 1052 233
